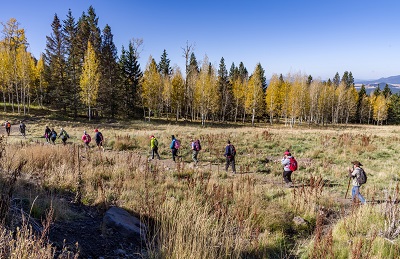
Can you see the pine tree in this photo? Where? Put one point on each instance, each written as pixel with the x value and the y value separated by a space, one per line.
pixel 225 89
pixel 131 75
pixel 73 63
pixel 386 91
pixel 109 90
pixel 164 66
pixel 336 80
pixel 59 92
pixel 90 79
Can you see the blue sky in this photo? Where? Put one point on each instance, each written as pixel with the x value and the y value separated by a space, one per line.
pixel 317 38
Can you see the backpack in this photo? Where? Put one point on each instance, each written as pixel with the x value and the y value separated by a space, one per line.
pixel 8 125
pixel 88 138
pixel 155 142
pixel 98 136
pixel 232 150
pixel 197 145
pixel 362 177
pixel 177 144
pixel 292 164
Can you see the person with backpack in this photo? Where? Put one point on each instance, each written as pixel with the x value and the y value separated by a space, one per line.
pixel 64 136
pixel 230 153
pixel 98 137
pixel 7 125
pixel 359 178
pixel 52 136
pixel 196 147
pixel 175 145
pixel 289 165
pixel 47 133
pixel 22 128
pixel 154 147
pixel 86 139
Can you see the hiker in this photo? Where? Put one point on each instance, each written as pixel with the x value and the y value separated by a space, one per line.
pixel 98 137
pixel 53 136
pixel 47 133
pixel 86 139
pixel 230 153
pixel 154 147
pixel 196 147
pixel 22 128
pixel 7 125
pixel 354 173
pixel 287 173
pixel 175 144
pixel 64 136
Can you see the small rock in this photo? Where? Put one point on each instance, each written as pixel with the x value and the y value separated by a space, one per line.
pixel 298 221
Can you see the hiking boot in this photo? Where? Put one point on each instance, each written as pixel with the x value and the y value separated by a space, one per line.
pixel 289 185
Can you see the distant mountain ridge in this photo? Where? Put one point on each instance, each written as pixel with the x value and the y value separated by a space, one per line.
pixel 370 85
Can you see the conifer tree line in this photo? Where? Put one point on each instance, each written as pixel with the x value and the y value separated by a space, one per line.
pixel 80 73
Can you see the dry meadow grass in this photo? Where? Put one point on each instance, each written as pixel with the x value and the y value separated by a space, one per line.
pixel 205 212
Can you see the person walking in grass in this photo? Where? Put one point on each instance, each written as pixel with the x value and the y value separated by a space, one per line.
pixel 230 154
pixel 64 136
pixel 356 173
pixel 22 128
pixel 174 147
pixel 52 136
pixel 86 139
pixel 196 147
pixel 7 125
pixel 98 137
pixel 287 172
pixel 47 134
pixel 154 147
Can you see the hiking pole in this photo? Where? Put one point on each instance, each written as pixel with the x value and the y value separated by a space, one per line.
pixel 348 186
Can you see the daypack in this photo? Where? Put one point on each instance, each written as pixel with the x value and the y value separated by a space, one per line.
pixel 362 177
pixel 292 164
pixel 232 150
pixel 98 136
pixel 177 144
pixel 8 125
pixel 197 145
pixel 155 142
pixel 88 138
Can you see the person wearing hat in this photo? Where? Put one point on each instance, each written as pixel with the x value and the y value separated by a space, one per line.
pixel 154 147
pixel 287 173
pixel 86 139
pixel 355 173
pixel 64 136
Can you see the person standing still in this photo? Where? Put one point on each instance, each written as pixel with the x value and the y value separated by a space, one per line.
pixel 354 173
pixel 154 147
pixel 230 153
pixel 287 173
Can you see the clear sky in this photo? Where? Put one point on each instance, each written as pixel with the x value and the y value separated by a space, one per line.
pixel 318 37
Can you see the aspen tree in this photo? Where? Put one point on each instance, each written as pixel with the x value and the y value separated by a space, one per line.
pixel 273 98
pixel 151 86
pixel 255 95
pixel 90 79
pixel 178 91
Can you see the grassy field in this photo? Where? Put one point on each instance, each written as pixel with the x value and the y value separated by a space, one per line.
pixel 202 211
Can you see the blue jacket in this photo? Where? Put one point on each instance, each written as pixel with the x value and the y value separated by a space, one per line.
pixel 172 146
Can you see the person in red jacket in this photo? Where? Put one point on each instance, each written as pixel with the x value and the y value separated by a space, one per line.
pixel 86 139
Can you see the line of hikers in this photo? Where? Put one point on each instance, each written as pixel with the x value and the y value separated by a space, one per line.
pixel 230 151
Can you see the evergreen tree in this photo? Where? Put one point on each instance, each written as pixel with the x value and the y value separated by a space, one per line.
pixel 109 90
pixel 377 91
pixel 225 90
pixel 73 64
pixel 336 80
pixel 164 65
pixel 131 75
pixel 345 79
pixel 386 91
pixel 59 92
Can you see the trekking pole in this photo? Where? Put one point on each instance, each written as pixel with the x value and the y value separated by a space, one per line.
pixel 348 186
